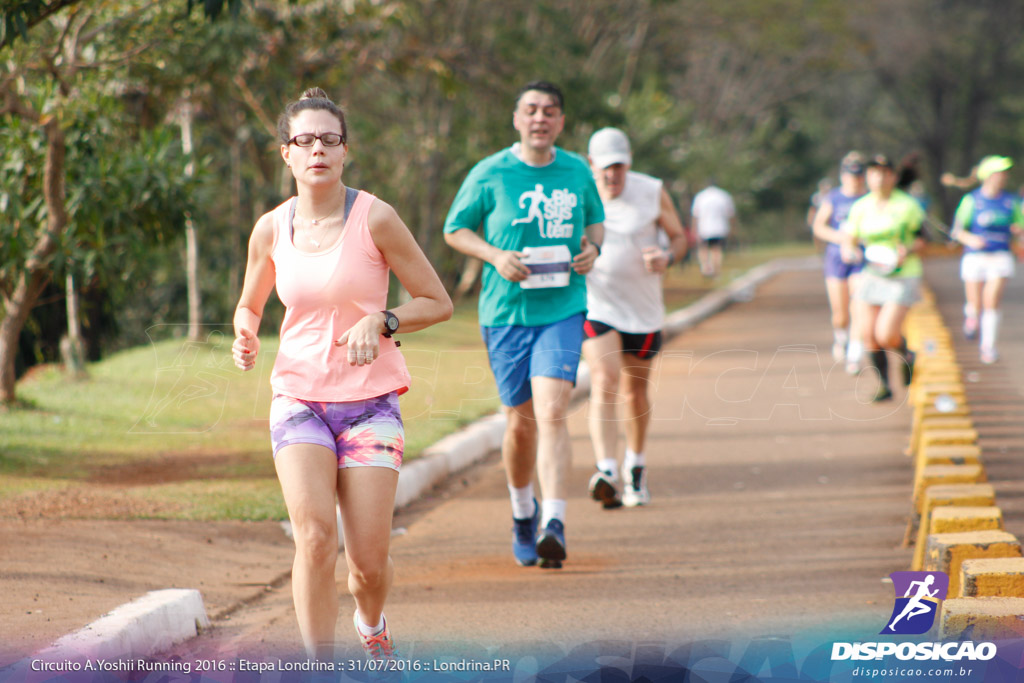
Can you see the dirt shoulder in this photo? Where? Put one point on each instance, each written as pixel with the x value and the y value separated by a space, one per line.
pixel 57 575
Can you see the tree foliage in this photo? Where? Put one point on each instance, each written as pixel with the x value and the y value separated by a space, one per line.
pixel 764 95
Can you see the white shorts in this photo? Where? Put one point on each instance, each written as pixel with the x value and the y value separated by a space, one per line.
pixel 879 290
pixel 981 266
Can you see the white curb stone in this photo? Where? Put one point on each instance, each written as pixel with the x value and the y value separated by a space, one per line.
pixel 153 623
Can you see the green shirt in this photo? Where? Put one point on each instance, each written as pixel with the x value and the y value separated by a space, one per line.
pixel 898 222
pixel 517 206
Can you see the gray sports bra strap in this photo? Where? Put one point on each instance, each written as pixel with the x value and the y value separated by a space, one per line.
pixel 350 198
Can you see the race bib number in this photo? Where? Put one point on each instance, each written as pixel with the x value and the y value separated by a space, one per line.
pixel 549 266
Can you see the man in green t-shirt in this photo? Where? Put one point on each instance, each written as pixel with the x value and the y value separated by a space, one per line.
pixel 532 214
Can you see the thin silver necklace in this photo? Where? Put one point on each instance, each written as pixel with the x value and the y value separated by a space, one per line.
pixel 323 233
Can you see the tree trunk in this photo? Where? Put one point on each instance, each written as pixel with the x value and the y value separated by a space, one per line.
pixel 71 347
pixel 195 305
pixel 37 270
pixel 195 311
pixel 237 255
pixel 636 45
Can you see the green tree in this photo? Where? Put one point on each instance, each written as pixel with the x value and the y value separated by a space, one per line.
pixel 65 84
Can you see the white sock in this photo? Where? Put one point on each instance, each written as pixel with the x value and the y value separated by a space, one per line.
pixel 610 467
pixel 989 329
pixel 552 508
pixel 855 351
pixel 840 335
pixel 633 459
pixel 522 501
pixel 371 630
pixel 969 311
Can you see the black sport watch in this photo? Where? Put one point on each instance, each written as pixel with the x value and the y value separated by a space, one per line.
pixel 390 323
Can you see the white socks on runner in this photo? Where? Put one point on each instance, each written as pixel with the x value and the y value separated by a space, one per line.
pixel 854 351
pixel 841 336
pixel 609 466
pixel 522 501
pixel 633 459
pixel 989 329
pixel 370 630
pixel 552 508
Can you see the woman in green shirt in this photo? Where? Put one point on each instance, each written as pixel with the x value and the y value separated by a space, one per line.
pixel 887 222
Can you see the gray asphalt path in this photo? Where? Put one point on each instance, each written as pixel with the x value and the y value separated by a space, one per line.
pixel 779 492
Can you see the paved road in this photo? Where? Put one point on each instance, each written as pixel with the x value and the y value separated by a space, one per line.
pixel 779 502
pixel 996 392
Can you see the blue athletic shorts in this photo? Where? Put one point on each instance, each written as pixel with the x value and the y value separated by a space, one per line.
pixel 519 353
pixel 835 267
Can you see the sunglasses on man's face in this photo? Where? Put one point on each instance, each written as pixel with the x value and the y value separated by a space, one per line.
pixel 308 139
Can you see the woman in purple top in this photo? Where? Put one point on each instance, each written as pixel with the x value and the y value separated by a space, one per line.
pixel 829 223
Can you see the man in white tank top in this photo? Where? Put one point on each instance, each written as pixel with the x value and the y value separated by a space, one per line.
pixel 625 313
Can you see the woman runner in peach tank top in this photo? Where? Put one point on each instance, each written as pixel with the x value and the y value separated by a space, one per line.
pixel 335 425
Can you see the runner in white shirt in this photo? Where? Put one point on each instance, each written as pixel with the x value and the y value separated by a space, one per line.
pixel 714 216
pixel 625 312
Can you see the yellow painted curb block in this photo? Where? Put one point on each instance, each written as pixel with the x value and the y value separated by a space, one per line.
pixel 951 454
pixel 936 375
pixel 953 519
pixel 966 495
pixel 950 519
pixel 981 619
pixel 945 552
pixel 927 392
pixel 1003 578
pixel 940 423
pixel 944 475
pixel 924 412
pixel 947 437
pixel 937 361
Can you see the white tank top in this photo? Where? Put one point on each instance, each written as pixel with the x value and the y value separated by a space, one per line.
pixel 620 291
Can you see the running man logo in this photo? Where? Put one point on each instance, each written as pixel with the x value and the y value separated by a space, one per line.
pixel 553 214
pixel 914 612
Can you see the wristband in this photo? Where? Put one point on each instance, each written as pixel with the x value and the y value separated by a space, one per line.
pixel 671 257
pixel 598 247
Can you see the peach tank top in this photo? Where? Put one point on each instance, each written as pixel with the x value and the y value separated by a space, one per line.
pixel 325 294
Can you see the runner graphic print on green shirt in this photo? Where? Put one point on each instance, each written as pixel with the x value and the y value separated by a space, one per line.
pixel 520 207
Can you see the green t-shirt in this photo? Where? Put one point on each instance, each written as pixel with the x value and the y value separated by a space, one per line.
pixel 898 222
pixel 519 206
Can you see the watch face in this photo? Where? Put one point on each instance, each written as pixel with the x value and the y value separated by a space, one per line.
pixel 391 321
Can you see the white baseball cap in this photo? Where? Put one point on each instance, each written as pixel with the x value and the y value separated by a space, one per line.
pixel 609 146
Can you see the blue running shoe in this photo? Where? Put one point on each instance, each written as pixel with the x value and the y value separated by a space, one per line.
pixel 524 538
pixel 551 545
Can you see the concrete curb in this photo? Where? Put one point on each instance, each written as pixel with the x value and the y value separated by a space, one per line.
pixel 151 624
pixel 161 619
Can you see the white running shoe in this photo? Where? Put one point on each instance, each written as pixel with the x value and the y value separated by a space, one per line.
pixel 635 491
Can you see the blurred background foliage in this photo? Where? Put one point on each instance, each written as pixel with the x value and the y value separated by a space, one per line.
pixel 763 95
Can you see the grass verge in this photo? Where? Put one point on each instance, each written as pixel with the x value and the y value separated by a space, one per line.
pixel 173 430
